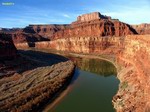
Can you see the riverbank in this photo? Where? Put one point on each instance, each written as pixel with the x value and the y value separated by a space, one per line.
pixel 107 57
pixel 132 73
pixel 35 86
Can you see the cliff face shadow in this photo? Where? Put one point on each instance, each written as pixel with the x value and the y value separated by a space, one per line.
pixel 28 60
pixel 41 58
pixel 31 44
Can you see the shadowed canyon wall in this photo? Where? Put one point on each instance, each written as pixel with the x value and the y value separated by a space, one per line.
pixel 7 48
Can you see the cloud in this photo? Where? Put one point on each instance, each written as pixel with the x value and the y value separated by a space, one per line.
pixel 66 15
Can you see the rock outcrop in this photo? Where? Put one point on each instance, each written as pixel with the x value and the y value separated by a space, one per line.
pixel 95 24
pixel 7 48
pixel 142 28
pixel 83 44
pixel 91 16
pixel 134 88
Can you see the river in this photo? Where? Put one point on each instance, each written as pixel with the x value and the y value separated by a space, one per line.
pixel 91 90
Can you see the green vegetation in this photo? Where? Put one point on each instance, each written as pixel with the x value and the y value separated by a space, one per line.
pixel 124 85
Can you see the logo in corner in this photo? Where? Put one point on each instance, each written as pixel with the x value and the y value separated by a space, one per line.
pixel 8 3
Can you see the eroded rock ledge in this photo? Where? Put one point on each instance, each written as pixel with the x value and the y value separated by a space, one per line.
pixel 134 89
pixel 27 92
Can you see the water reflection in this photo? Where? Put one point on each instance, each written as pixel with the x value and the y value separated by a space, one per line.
pixel 100 67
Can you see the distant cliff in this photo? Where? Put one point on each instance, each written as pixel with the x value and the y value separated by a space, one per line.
pixel 21 37
pixel 142 28
pixel 45 31
pixel 95 24
pixel 92 24
pixel 91 16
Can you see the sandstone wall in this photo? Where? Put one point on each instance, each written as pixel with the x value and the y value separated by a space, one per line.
pixel 133 94
pixel 89 17
pixel 96 28
pixel 85 44
pixel 80 44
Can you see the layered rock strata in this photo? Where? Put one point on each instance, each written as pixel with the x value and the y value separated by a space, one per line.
pixel 95 24
pixel 92 24
pixel 134 88
pixel 91 16
pixel 108 45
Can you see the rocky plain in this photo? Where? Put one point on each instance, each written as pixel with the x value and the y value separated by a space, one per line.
pixel 93 34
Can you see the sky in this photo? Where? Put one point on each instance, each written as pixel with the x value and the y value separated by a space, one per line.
pixel 21 13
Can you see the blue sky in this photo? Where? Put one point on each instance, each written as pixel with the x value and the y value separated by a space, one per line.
pixel 24 12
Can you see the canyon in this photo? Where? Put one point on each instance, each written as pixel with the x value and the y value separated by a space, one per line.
pixel 95 34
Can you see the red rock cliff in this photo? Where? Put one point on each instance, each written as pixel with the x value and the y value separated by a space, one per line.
pixel 134 88
pixel 95 24
pixel 45 31
pixel 91 16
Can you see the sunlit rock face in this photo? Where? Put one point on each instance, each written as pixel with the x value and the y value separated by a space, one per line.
pixel 142 28
pixel 95 24
pixel 91 16
pixel 7 48
pixel 133 94
pixel 84 44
